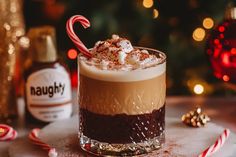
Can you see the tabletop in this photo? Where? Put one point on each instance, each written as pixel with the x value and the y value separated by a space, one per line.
pixel 221 110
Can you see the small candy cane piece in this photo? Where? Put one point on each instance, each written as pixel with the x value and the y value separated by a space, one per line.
pixel 52 153
pixel 217 145
pixel 34 137
pixel 70 31
pixel 7 133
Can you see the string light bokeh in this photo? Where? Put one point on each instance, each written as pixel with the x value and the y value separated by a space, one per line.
pixel 208 23
pixel 199 34
pixel 155 13
pixel 226 78
pixel 72 54
pixel 198 89
pixel 148 3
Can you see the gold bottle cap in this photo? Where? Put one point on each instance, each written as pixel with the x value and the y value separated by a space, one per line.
pixel 230 12
pixel 42 44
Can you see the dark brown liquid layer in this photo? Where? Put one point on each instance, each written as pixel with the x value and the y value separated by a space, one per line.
pixel 122 128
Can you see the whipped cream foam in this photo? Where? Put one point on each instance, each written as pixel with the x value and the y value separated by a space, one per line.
pixel 118 54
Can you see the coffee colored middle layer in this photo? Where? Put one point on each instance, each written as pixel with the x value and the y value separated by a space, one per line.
pixel 131 98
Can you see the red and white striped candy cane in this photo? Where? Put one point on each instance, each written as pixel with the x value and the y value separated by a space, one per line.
pixel 70 31
pixel 217 145
pixel 8 133
pixel 34 138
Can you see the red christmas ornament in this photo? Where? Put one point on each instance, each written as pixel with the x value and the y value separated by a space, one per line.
pixel 221 47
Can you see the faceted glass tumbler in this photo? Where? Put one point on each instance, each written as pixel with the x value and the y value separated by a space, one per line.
pixel 122 113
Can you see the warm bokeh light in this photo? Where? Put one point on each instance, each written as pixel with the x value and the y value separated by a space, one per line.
pixel 72 53
pixel 208 23
pixel 198 86
pixel 198 89
pixel 226 78
pixel 199 34
pixel 155 13
pixel 24 42
pixel 147 3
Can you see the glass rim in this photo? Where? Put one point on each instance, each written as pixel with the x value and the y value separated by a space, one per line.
pixel 163 57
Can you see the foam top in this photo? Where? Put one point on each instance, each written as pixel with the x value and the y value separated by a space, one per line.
pixel 116 59
pixel 118 54
pixel 121 76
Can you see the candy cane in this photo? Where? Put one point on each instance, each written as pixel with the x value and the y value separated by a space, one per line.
pixel 34 137
pixel 70 31
pixel 217 145
pixel 8 133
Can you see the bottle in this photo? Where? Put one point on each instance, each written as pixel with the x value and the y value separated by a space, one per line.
pixel 47 80
pixel 221 47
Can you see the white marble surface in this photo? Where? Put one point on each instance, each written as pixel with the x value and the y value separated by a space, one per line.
pixel 221 110
pixel 181 141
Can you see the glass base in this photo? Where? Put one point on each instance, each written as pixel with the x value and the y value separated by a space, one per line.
pixel 105 149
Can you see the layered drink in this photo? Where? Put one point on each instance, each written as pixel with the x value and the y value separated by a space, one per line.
pixel 121 98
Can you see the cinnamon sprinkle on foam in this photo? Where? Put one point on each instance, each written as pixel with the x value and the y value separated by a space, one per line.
pixel 118 54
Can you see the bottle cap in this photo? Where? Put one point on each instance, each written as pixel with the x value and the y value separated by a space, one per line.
pixel 230 12
pixel 42 44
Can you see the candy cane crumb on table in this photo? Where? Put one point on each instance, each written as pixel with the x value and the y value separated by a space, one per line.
pixel 217 145
pixel 34 138
pixel 7 133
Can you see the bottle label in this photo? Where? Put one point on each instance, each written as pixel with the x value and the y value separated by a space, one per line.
pixel 49 95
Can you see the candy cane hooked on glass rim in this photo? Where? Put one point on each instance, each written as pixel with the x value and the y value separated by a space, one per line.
pixel 7 133
pixel 217 145
pixel 34 138
pixel 75 39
